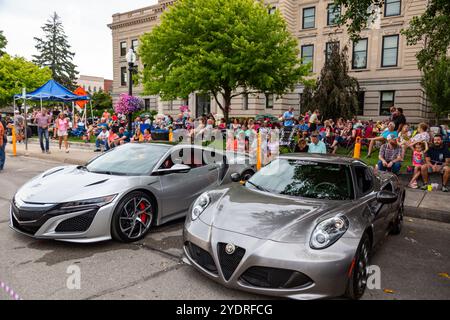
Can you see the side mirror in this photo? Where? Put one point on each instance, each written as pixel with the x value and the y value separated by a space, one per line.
pixel 177 168
pixel 387 197
pixel 236 177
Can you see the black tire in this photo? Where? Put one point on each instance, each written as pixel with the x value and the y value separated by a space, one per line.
pixel 247 175
pixel 397 225
pixel 358 279
pixel 133 217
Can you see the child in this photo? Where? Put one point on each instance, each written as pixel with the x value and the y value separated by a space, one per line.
pixel 147 135
pixel 418 160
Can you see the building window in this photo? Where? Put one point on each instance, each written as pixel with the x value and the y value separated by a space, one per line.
pixel 245 101
pixel 272 10
pixel 170 105
pixel 392 8
pixel 309 18
pixel 123 48
pixel 387 101
pixel 359 57
pixel 147 104
pixel 329 49
pixel 135 44
pixel 361 102
pixel 308 55
pixel 269 101
pixel 123 76
pixel 333 13
pixel 390 51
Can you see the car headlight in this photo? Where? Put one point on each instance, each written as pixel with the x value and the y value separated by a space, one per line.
pixel 89 203
pixel 328 232
pixel 200 205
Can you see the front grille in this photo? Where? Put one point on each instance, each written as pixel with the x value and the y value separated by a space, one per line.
pixel 202 257
pixel 79 223
pixel 272 278
pixel 229 262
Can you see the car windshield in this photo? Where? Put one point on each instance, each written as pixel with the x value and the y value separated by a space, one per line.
pixel 308 179
pixel 130 159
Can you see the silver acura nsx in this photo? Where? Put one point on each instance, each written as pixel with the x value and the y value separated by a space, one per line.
pixel 122 193
pixel 303 227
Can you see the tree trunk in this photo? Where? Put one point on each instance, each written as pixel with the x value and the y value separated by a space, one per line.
pixel 227 105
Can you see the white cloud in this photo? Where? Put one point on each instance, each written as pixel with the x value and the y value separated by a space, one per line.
pixel 85 23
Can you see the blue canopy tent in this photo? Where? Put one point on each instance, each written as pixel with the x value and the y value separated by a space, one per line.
pixel 52 91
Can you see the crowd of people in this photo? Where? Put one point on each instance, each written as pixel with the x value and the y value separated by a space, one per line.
pixel 392 138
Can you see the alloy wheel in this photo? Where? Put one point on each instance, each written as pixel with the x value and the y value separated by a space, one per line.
pixel 136 217
pixel 361 268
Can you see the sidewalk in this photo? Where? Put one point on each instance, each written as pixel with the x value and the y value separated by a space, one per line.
pixel 79 153
pixel 418 204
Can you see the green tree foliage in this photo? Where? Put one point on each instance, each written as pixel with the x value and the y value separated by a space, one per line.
pixel 336 94
pixel 432 26
pixel 101 100
pixel 220 47
pixel 3 43
pixel 17 73
pixel 436 82
pixel 54 52
pixel 307 102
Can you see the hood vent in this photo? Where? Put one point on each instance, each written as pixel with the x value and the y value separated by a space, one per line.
pixel 96 183
pixel 53 172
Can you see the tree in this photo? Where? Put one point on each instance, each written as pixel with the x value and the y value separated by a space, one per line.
pixel 17 73
pixel 3 43
pixel 436 82
pixel 54 52
pixel 101 100
pixel 432 26
pixel 336 94
pixel 307 102
pixel 220 47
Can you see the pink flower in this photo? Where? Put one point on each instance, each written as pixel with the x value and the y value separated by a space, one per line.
pixel 128 104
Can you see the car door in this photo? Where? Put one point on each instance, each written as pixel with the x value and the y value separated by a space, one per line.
pixel 367 189
pixel 179 190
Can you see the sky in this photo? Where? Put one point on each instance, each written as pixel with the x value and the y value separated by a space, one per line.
pixel 85 24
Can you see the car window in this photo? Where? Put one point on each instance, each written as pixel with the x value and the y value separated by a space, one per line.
pixel 364 179
pixel 308 179
pixel 130 159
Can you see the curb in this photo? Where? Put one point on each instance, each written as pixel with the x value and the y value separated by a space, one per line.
pixel 427 214
pixel 46 157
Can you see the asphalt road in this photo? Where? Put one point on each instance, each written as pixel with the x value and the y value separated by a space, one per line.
pixel 414 265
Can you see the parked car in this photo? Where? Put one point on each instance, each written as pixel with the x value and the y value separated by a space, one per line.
pixel 122 193
pixel 303 227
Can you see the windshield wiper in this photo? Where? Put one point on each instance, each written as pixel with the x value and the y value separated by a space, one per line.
pixel 258 186
pixel 83 168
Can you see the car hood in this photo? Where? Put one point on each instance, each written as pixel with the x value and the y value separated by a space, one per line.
pixel 64 184
pixel 266 216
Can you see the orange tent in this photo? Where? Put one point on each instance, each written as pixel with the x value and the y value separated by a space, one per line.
pixel 81 92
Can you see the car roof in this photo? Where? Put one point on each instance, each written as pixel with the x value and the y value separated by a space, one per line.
pixel 323 158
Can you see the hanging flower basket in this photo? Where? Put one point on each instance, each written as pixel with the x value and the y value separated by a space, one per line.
pixel 128 104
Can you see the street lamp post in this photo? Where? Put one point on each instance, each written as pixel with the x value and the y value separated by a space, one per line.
pixel 131 59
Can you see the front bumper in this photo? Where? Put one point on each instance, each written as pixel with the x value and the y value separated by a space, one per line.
pixel 327 269
pixel 92 225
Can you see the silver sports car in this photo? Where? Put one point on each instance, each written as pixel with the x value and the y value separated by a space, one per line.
pixel 303 227
pixel 122 193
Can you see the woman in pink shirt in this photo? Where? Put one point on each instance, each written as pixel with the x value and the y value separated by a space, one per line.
pixel 62 126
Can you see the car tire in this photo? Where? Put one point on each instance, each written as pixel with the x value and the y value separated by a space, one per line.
pixel 133 217
pixel 357 282
pixel 247 175
pixel 397 225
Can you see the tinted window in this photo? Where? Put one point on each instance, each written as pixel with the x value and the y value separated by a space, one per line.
pixel 309 18
pixel 130 159
pixel 305 179
pixel 364 180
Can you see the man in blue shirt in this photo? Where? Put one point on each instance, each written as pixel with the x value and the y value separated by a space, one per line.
pixel 288 118
pixel 389 132
pixel 302 126
pixel 316 146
